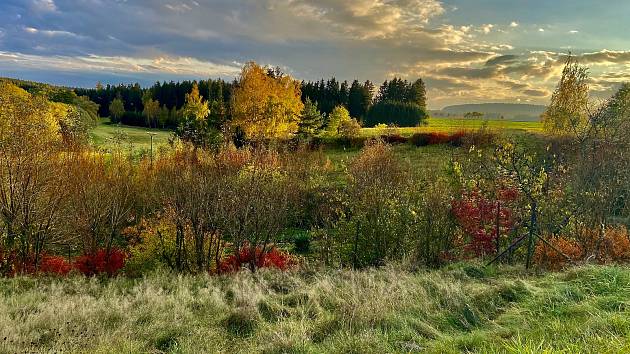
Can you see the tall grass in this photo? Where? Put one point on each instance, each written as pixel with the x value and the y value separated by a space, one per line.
pixel 465 308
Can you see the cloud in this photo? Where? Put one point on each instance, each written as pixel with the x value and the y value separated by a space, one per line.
pixel 487 28
pixel 51 33
pixel 43 5
pixel 175 65
pixel 605 57
pixel 461 58
pixel 502 59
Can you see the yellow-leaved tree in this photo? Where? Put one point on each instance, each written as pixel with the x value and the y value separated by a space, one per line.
pixel 31 187
pixel 27 121
pixel 266 104
pixel 568 112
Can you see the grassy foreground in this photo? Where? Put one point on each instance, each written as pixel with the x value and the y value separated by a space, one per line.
pixel 462 309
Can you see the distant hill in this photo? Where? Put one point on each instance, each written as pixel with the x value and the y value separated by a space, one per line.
pixel 508 111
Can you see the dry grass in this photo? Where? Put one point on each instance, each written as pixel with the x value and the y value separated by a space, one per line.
pixel 466 308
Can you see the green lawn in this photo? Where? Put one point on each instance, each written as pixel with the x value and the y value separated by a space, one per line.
pixel 108 136
pixel 464 308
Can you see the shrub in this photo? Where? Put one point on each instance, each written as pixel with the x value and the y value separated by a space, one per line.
pixel 479 137
pixel 591 245
pixel 613 245
pixel 394 139
pixel 549 258
pixel 426 139
pixel 272 258
pixel 457 139
pixel 152 246
pixel 100 262
pixel 302 243
pixel 483 219
pixel 349 128
pixel 377 226
pixel 461 138
pixel 54 265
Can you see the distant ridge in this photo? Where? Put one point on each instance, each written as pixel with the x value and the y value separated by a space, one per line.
pixel 508 111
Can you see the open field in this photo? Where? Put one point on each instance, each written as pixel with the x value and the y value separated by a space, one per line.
pixel 106 135
pixel 451 125
pixel 465 308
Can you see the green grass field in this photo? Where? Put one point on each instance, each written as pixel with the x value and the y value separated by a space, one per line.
pixel 451 125
pixel 464 308
pixel 108 136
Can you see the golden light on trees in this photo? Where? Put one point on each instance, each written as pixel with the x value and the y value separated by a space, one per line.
pixel 266 106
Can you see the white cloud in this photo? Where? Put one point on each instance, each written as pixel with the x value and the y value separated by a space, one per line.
pixel 44 5
pixel 119 64
pixel 487 28
pixel 364 18
pixel 52 33
pixel 541 30
pixel 574 32
pixel 514 24
pixel 182 7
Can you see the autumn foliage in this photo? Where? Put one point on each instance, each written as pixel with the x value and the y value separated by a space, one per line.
pixel 610 246
pixel 272 258
pixel 485 221
pixel 101 262
pixel 98 263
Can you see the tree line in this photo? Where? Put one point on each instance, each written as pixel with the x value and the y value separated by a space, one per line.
pixel 396 102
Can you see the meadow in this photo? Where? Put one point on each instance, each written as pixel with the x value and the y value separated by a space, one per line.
pixel 461 308
pixel 108 136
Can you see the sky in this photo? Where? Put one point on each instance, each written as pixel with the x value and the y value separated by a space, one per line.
pixel 467 51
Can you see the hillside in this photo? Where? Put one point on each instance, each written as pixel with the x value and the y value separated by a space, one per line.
pixel 509 111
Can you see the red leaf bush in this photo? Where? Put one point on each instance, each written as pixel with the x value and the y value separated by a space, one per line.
pixel 100 262
pixel 478 215
pixel 54 265
pixel 272 258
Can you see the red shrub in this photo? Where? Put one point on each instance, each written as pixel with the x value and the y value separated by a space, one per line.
pixel 478 216
pixel 273 258
pixel 101 263
pixel 54 265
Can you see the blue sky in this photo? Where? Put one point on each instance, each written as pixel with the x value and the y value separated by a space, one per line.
pixel 466 50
